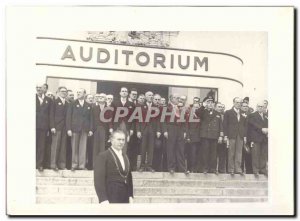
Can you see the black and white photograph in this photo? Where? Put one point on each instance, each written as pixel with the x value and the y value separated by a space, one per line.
pixel 148 118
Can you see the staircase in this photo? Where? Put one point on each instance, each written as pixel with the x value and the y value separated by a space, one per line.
pixel 78 187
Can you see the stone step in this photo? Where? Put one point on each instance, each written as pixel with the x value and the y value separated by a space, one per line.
pixel 78 199
pixel 81 181
pixel 71 199
pixel 156 191
pixel 195 191
pixel 149 175
pixel 198 199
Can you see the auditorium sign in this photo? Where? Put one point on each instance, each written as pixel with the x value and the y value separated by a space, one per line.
pixel 145 59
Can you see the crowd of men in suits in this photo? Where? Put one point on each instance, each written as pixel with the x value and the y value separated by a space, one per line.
pixel 168 135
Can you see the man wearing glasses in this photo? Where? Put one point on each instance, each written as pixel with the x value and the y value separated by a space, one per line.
pixel 109 99
pixel 58 112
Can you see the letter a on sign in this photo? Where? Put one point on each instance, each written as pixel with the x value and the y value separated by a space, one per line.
pixel 68 54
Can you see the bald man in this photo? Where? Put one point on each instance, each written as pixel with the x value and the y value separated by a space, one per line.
pixel 234 126
pixel 258 136
pixel 100 127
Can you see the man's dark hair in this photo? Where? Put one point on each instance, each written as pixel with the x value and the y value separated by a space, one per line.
pixel 133 89
pixel 46 85
pixel 59 88
pixel 117 132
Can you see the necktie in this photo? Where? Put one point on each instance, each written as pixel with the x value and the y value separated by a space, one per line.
pixel 238 115
pixel 262 116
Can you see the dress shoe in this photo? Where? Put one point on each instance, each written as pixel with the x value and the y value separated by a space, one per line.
pixel 141 169
pixel 41 169
pixel 205 172
pixel 256 175
pixel 172 172
pixel 73 169
pixel 55 169
pixel 151 169
pixel 217 173
pixel 187 172
pixel 232 173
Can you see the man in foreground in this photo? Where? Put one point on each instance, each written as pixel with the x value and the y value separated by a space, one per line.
pixel 112 175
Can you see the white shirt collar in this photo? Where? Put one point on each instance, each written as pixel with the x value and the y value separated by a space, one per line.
pixel 43 96
pixel 118 152
pixel 120 156
pixel 236 110
pixel 81 102
pixel 62 99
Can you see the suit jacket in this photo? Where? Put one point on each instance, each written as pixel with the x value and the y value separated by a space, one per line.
pixel 168 123
pixel 58 114
pixel 96 121
pixel 130 105
pixel 106 172
pixel 79 118
pixel 193 128
pixel 255 124
pixel 153 121
pixel 43 113
pixel 232 127
pixel 211 124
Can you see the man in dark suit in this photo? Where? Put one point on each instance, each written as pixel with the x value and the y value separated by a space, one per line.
pixel 112 175
pixel 47 154
pixel 79 127
pixel 123 109
pixel 141 99
pixel 221 146
pixel 163 138
pixel 175 132
pixel 43 105
pixel 70 96
pixel 58 112
pixel 147 131
pixel 69 99
pixel 89 143
pixel 234 126
pixel 266 111
pixel 101 124
pixel 193 138
pixel 246 154
pixel 258 134
pixel 158 141
pixel 211 132
pixel 133 144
